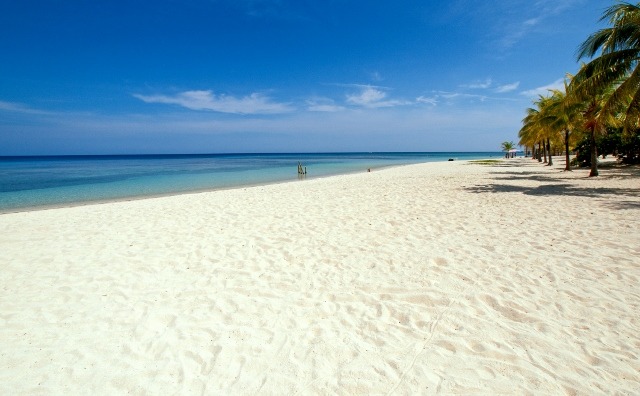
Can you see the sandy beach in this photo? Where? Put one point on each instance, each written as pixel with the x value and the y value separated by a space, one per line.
pixel 450 278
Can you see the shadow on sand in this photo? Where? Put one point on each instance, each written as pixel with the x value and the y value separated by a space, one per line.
pixel 554 181
pixel 555 189
pixel 623 205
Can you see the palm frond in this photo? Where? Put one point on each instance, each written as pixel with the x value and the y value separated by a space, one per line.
pixel 620 13
pixel 624 19
pixel 632 114
pixel 603 72
pixel 593 43
pixel 620 97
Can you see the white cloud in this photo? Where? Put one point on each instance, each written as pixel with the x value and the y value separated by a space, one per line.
pixel 327 108
pixel 479 84
pixel 440 128
pixel 432 101
pixel 532 19
pixel 531 22
pixel 20 108
pixel 457 98
pixel 366 97
pixel 517 31
pixel 206 100
pixel 508 87
pixel 458 95
pixel 323 105
pixel 544 91
pixel 372 97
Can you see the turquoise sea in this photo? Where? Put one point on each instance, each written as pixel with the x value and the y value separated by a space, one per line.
pixel 49 181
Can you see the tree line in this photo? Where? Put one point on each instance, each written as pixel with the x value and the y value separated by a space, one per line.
pixel 598 111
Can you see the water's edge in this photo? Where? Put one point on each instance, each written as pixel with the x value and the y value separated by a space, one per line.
pixel 171 194
pixel 234 183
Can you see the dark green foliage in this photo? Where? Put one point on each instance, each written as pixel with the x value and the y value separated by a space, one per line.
pixel 631 149
pixel 613 142
pixel 610 143
pixel 583 153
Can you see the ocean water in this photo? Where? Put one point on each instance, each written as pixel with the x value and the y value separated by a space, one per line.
pixel 38 182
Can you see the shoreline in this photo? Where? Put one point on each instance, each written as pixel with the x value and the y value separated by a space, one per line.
pixel 200 191
pixel 441 277
pixel 604 163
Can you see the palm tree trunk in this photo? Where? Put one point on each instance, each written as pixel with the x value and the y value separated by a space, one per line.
pixel 594 153
pixel 544 151
pixel 549 150
pixel 567 166
pixel 539 152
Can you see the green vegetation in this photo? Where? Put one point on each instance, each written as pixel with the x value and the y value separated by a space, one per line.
pixel 485 162
pixel 613 141
pixel 507 147
pixel 598 112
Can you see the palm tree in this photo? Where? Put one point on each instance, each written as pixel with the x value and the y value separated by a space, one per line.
pixel 531 132
pixel 616 68
pixel 599 110
pixel 546 120
pixel 507 147
pixel 538 127
pixel 565 116
pixel 562 122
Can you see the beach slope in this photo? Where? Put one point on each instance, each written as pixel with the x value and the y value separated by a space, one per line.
pixel 449 277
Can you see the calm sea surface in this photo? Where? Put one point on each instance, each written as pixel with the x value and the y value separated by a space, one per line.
pixel 35 182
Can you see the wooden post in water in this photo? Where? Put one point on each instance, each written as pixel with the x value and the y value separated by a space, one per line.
pixel 302 171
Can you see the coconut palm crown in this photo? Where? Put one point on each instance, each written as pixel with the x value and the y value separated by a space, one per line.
pixel 616 67
pixel 506 146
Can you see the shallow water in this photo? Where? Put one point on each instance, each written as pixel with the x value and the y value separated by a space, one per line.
pixel 32 182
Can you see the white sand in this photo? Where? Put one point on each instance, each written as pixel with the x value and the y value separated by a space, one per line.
pixel 442 277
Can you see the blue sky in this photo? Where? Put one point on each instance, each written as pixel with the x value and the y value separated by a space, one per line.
pixel 219 76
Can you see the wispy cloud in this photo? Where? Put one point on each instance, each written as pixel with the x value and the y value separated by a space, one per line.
pixel 375 76
pixel 516 31
pixel 555 7
pixel 255 103
pixel 489 83
pixel 478 84
pixel 323 105
pixel 532 17
pixel 456 97
pixel 507 87
pixel 372 97
pixel 423 99
pixel 459 95
pixel 544 90
pixel 366 97
pixel 428 121
pixel 20 108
